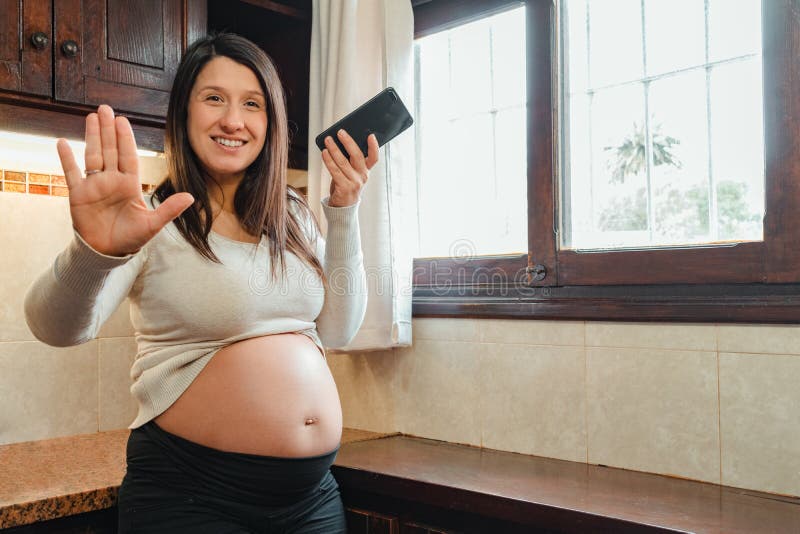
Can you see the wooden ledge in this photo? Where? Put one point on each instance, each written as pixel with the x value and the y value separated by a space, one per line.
pixel 424 478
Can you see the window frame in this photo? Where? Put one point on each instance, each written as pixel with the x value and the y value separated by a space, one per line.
pixel 748 282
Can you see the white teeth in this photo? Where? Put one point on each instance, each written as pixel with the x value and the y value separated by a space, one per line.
pixel 228 142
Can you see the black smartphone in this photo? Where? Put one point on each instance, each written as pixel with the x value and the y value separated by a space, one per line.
pixel 384 114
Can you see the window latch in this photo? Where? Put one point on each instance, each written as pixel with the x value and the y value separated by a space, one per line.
pixel 537 272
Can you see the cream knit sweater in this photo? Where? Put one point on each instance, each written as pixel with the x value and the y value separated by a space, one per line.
pixel 184 307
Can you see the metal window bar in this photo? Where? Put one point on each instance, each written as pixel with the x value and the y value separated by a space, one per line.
pixel 418 133
pixel 713 219
pixel 648 136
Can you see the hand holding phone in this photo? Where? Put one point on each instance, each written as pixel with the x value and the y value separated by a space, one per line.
pixel 385 115
pixel 349 175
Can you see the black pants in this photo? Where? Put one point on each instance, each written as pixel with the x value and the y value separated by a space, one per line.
pixel 175 486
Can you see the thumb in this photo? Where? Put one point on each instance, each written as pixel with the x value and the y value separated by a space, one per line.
pixel 171 208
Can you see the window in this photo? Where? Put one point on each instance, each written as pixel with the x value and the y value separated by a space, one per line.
pixel 661 137
pixel 662 166
pixel 471 137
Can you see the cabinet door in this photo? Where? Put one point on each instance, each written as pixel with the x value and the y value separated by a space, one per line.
pixel 24 66
pixel 412 527
pixel 118 52
pixel 369 522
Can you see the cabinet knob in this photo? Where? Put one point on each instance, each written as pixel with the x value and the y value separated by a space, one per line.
pixel 69 48
pixel 39 40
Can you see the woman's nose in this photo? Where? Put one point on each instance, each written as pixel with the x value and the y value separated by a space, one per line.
pixel 232 119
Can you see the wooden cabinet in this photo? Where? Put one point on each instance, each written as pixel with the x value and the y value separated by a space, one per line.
pixel 59 59
pixel 425 513
pixel 380 504
pixel 366 522
pixel 26 35
pixel 97 51
pixel 412 527
pixel 370 522
pixel 117 52
pixel 68 56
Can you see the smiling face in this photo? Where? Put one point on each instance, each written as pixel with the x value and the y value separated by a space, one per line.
pixel 227 119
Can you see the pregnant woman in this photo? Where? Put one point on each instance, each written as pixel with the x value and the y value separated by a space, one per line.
pixel 234 296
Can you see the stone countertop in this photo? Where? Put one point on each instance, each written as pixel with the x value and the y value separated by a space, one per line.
pixel 42 480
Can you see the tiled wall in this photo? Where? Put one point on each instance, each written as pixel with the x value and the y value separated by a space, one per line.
pixel 35 184
pixel 40 184
pixel 46 391
pixel 717 403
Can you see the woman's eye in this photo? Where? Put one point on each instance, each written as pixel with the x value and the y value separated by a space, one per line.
pixel 252 104
pixel 214 98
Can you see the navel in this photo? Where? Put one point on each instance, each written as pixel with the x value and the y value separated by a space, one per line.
pixel 311 420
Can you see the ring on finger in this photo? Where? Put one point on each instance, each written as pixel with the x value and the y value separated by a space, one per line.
pixel 93 171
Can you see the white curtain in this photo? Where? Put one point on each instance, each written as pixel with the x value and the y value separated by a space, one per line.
pixel 358 48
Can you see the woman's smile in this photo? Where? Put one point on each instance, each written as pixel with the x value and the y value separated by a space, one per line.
pixel 229 143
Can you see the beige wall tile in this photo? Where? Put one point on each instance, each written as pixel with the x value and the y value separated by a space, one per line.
pixel 47 392
pixel 438 391
pixel 119 324
pixel 445 329
pixel 365 384
pixel 560 333
pixel 28 249
pixel 117 407
pixel 651 335
pixel 654 410
pixel 760 422
pixel 533 400
pixel 760 339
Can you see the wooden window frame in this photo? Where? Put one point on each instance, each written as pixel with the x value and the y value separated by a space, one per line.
pixel 749 282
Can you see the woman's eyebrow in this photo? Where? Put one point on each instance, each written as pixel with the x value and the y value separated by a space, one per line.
pixel 223 90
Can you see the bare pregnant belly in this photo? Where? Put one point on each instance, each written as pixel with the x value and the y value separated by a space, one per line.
pixel 270 395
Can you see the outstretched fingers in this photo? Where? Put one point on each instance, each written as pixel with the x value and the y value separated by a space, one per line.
pixel 93 155
pixel 72 173
pixel 126 144
pixel 169 209
pixel 108 138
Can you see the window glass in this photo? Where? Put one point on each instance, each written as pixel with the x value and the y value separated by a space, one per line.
pixel 470 127
pixel 674 35
pixel 734 28
pixel 736 148
pixel 662 123
pixel 614 36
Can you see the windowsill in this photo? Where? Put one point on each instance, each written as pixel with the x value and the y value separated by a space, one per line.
pixel 533 492
pixel 723 303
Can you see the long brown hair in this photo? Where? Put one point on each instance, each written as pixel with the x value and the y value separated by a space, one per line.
pixel 262 198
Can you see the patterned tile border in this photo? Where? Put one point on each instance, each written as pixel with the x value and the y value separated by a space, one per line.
pixel 40 184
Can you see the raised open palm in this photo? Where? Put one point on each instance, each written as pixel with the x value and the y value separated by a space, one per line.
pixel 107 207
